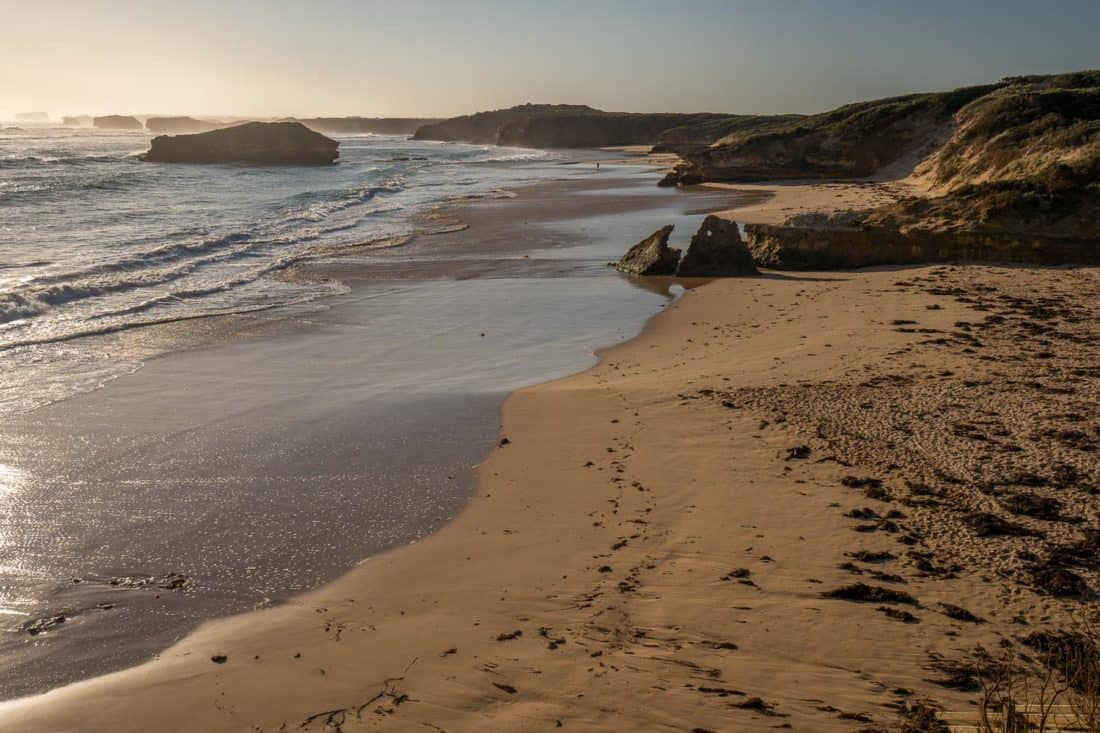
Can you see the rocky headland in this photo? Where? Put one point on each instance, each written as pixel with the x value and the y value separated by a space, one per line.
pixel 264 143
pixel 117 122
pixel 1006 172
pixel 560 126
pixel 364 125
pixel 180 125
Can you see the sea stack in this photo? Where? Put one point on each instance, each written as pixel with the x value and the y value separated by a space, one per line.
pixel 263 143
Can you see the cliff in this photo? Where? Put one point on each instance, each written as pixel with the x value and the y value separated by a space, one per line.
pixel 117 122
pixel 77 121
pixel 1011 173
pixel 364 125
pixel 693 138
pixel 961 137
pixel 559 126
pixel 178 125
pixel 265 143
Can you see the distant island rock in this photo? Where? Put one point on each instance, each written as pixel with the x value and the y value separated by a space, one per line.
pixel 76 121
pixel 117 122
pixel 559 126
pixel 264 143
pixel 178 125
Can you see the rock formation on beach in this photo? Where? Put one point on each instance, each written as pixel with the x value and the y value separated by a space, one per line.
pixel 265 143
pixel 559 126
pixel 76 121
pixel 117 122
pixel 651 256
pixel 717 250
pixel 177 125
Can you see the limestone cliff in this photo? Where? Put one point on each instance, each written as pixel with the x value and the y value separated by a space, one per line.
pixel 1011 172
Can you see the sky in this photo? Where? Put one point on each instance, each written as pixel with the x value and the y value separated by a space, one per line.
pixel 444 58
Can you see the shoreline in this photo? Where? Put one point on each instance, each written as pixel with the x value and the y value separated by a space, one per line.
pixel 645 547
pixel 285 426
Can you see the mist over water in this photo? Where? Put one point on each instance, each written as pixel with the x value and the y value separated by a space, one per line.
pixel 93 240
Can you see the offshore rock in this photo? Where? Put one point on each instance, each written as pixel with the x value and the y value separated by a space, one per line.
pixel 264 143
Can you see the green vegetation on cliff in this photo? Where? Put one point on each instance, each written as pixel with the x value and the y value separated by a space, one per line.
pixel 560 126
pixel 703 134
pixel 1019 129
pixel 854 141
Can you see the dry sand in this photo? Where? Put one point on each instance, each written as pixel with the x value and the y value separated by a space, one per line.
pixel 645 550
pixel 789 199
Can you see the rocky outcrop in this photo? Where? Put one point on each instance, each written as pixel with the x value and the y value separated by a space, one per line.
pixel 117 122
pixel 854 141
pixel 680 176
pixel 364 125
pixel 717 250
pixel 264 143
pixel 808 248
pixel 1011 169
pixel 558 126
pixel 76 121
pixel 651 256
pixel 180 125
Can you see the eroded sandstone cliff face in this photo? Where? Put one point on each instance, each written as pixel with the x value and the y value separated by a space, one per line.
pixel 1012 172
pixel 805 248
pixel 264 143
pixel 1015 129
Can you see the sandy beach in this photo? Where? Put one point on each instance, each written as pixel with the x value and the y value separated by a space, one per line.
pixel 173 496
pixel 653 541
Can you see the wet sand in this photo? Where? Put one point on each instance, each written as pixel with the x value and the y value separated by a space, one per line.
pixel 260 456
pixel 673 539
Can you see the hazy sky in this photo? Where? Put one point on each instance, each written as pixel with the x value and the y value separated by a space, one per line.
pixel 430 57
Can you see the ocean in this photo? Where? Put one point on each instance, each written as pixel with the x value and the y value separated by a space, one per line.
pixel 93 240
